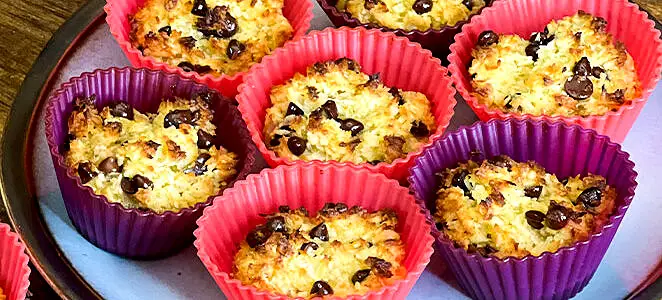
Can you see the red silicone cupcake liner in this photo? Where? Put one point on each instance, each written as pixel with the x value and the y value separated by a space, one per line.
pixel 626 23
pixel 401 63
pixel 435 40
pixel 311 185
pixel 298 12
pixel 14 270
pixel 132 232
pixel 564 150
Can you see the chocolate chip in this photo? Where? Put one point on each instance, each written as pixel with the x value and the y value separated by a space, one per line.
pixel 217 23
pixel 284 209
pixel 66 146
pixel 199 168
pixel 419 129
pixel 207 96
pixel 186 66
pixel 235 48
pixel 180 116
pixel 375 162
pixel 296 145
pixel 360 275
pixel 351 64
pixel 333 209
pixel 579 87
pixel 320 68
pixel 131 185
pixel 533 191
pixel 187 41
pixel 85 172
pixel 166 29
pixel 275 140
pixel 591 197
pixel 109 165
pixel 204 139
pixel 468 4
pixel 487 38
pixel 541 38
pixel 330 109
pixel 597 71
pixel 582 67
pixel 351 125
pixel 557 216
pixel 373 81
pixel 320 232
pixel 396 94
pixel 617 96
pixel 121 110
pixel 199 8
pixel 422 6
pixel 308 247
pixel 202 69
pixel 380 267
pixel 458 181
pixel 535 218
pixel 532 51
pixel 277 224
pixel 258 236
pixel 599 24
pixel 341 207
pixel 293 109
pixel 502 161
pixel 321 288
pixel 486 250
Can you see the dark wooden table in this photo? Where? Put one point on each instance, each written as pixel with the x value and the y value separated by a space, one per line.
pixel 25 27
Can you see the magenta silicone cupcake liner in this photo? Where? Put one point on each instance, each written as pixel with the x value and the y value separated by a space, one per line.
pixel 110 226
pixel 14 270
pixel 564 150
pixel 436 40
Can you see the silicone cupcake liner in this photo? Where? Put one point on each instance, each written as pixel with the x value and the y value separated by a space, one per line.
pixel 311 185
pixel 132 232
pixel 401 63
pixel 14 270
pixel 561 149
pixel 298 12
pixel 435 40
pixel 626 23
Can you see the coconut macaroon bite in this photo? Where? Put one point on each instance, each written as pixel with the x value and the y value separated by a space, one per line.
pixel 411 14
pixel 341 251
pixel 160 162
pixel 210 36
pixel 503 208
pixel 572 68
pixel 336 112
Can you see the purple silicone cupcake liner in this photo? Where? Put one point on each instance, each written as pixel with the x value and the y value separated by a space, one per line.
pixel 436 40
pixel 561 149
pixel 110 226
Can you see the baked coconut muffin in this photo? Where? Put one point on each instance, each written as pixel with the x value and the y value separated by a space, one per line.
pixel 209 36
pixel 572 68
pixel 503 208
pixel 341 251
pixel 160 162
pixel 336 112
pixel 411 14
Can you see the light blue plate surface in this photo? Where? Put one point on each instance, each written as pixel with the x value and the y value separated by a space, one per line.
pixel 635 251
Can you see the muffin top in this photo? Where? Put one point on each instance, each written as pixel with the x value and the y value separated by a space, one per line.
pixel 411 14
pixel 572 68
pixel 504 208
pixel 341 251
pixel 336 112
pixel 161 162
pixel 209 37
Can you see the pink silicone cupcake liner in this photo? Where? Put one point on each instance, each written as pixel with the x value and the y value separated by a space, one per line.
pixel 298 12
pixel 14 270
pixel 564 150
pixel 132 232
pixel 626 23
pixel 401 63
pixel 311 185
pixel 435 40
